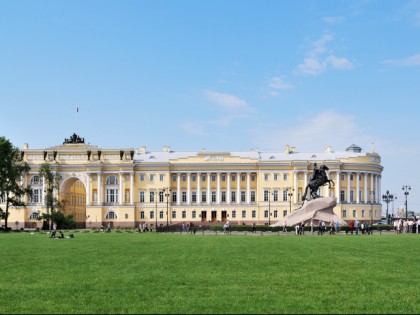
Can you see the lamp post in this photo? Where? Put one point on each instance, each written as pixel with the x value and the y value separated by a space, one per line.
pixel 387 198
pixel 167 194
pixel 406 193
pixel 290 191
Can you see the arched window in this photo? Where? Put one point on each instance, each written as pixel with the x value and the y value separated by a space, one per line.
pixel 34 216
pixel 111 215
pixel 111 189
pixel 36 187
pixel 112 180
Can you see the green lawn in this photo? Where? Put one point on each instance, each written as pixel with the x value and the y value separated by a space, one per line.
pixel 103 273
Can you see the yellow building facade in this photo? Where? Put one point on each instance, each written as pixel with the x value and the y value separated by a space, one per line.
pixel 128 187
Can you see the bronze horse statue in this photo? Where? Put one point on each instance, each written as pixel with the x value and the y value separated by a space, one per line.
pixel 318 179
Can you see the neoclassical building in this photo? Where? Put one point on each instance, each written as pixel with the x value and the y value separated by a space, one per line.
pixel 127 186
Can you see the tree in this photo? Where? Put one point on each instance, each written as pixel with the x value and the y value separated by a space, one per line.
pixel 12 170
pixel 51 182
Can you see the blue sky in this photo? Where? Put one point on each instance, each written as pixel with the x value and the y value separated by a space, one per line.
pixel 216 74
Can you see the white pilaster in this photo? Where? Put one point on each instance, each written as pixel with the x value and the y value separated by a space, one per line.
pixel 348 186
pixel 178 188
pixel 198 188
pixel 357 188
pixel 188 188
pixel 228 188
pixel 120 194
pixel 248 187
pixel 218 188
pixel 337 189
pixel 99 189
pixel 238 189
pixel 295 195
pixel 88 189
pixel 208 188
pixel 132 188
pixel 365 197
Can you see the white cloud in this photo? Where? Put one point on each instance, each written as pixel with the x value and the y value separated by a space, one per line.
pixel 193 128
pixel 339 63
pixel 277 83
pixel 227 101
pixel 406 62
pixel 314 134
pixel 333 19
pixel 318 59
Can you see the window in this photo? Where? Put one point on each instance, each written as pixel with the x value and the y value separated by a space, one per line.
pixel 111 195
pixel 184 214
pixel 233 214
pixel 160 196
pixel 161 177
pixel 141 214
pixel 213 178
pixel 233 196
pixel 111 215
pixel 152 177
pixel 194 214
pixel 142 196
pixel 184 196
pixel 253 178
pixel 223 178
pixel 275 195
pixel 36 195
pixel 160 214
pixel 343 195
pixel 351 195
pixel 285 193
pixel 174 178
pixel 194 196
pixel 34 216
pixel 174 197
pixel 233 178
pixel 276 177
pixel 275 213
pixel 184 178
pixel 243 196
pixel 213 196
pixel 266 195
pixel 126 216
pixel 285 176
pixel 363 213
pixel 142 177
pixel 203 196
pixel 266 177
pixel 252 196
pixel 112 180
pixel 243 178
pixel 152 196
pixel 174 214
pixel 243 214
pixel 284 213
pixel 344 213
pixel 194 178
pixel 354 213
pixel 223 196
pixel 351 177
pixel 265 213
pixel 152 214
pixel 342 176
pixel 203 178
pixel 254 214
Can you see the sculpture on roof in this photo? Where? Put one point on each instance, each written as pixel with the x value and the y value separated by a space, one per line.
pixel 74 139
pixel 318 179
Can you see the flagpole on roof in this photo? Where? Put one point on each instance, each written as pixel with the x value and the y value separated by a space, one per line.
pixel 77 120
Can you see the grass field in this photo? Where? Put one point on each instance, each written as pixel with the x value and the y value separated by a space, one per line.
pixel 129 272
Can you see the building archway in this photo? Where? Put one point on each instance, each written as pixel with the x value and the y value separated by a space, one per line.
pixel 73 196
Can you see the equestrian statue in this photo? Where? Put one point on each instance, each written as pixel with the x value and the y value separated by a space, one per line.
pixel 318 179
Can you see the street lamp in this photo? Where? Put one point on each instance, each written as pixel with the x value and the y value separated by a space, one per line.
pixel 387 198
pixel 290 191
pixel 406 193
pixel 167 194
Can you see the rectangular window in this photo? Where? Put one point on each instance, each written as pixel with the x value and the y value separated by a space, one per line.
pixel 174 197
pixel 223 196
pixel 142 215
pixel 354 213
pixel 213 196
pixel 184 178
pixel 285 191
pixel 233 196
pixel 161 215
pixel 142 177
pixel 203 196
pixel 193 178
pixel 285 176
pixel 254 214
pixel 252 178
pixel 351 195
pixel 152 196
pixel 265 213
pixel 284 213
pixel 152 177
pixel 233 178
pixel 184 196
pixel 223 178
pixel 266 195
pixel 126 215
pixel 173 214
pixel 351 177
pixel 203 178
pixel 344 213
pixel 161 177
pixel 276 177
pixel 243 196
pixel 275 195
pixel 194 214
pixel 160 196
pixel 252 196
pixel 243 178
pixel 243 214
pixel 184 214
pixel 342 176
pixel 213 178
pixel 112 195
pixel 174 178
pixel 363 213
pixel 275 213
pixel 266 177
pixel 343 195
pixel 194 196
pixel 152 214
pixel 233 214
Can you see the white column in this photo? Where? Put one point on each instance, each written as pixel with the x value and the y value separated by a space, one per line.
pixel 365 199
pixel 305 179
pixel 218 188
pixel 371 188
pixel 208 188
pixel 198 188
pixel 99 189
pixel 228 188
pixel 357 187
pixel 238 187
pixel 132 188
pixel 120 197
pixel 348 186
pixel 188 188
pixel 379 189
pixel 178 188
pixel 248 187
pixel 337 191
pixel 295 195
pixel 88 189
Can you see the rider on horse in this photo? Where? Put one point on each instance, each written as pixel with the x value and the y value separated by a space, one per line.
pixel 318 179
